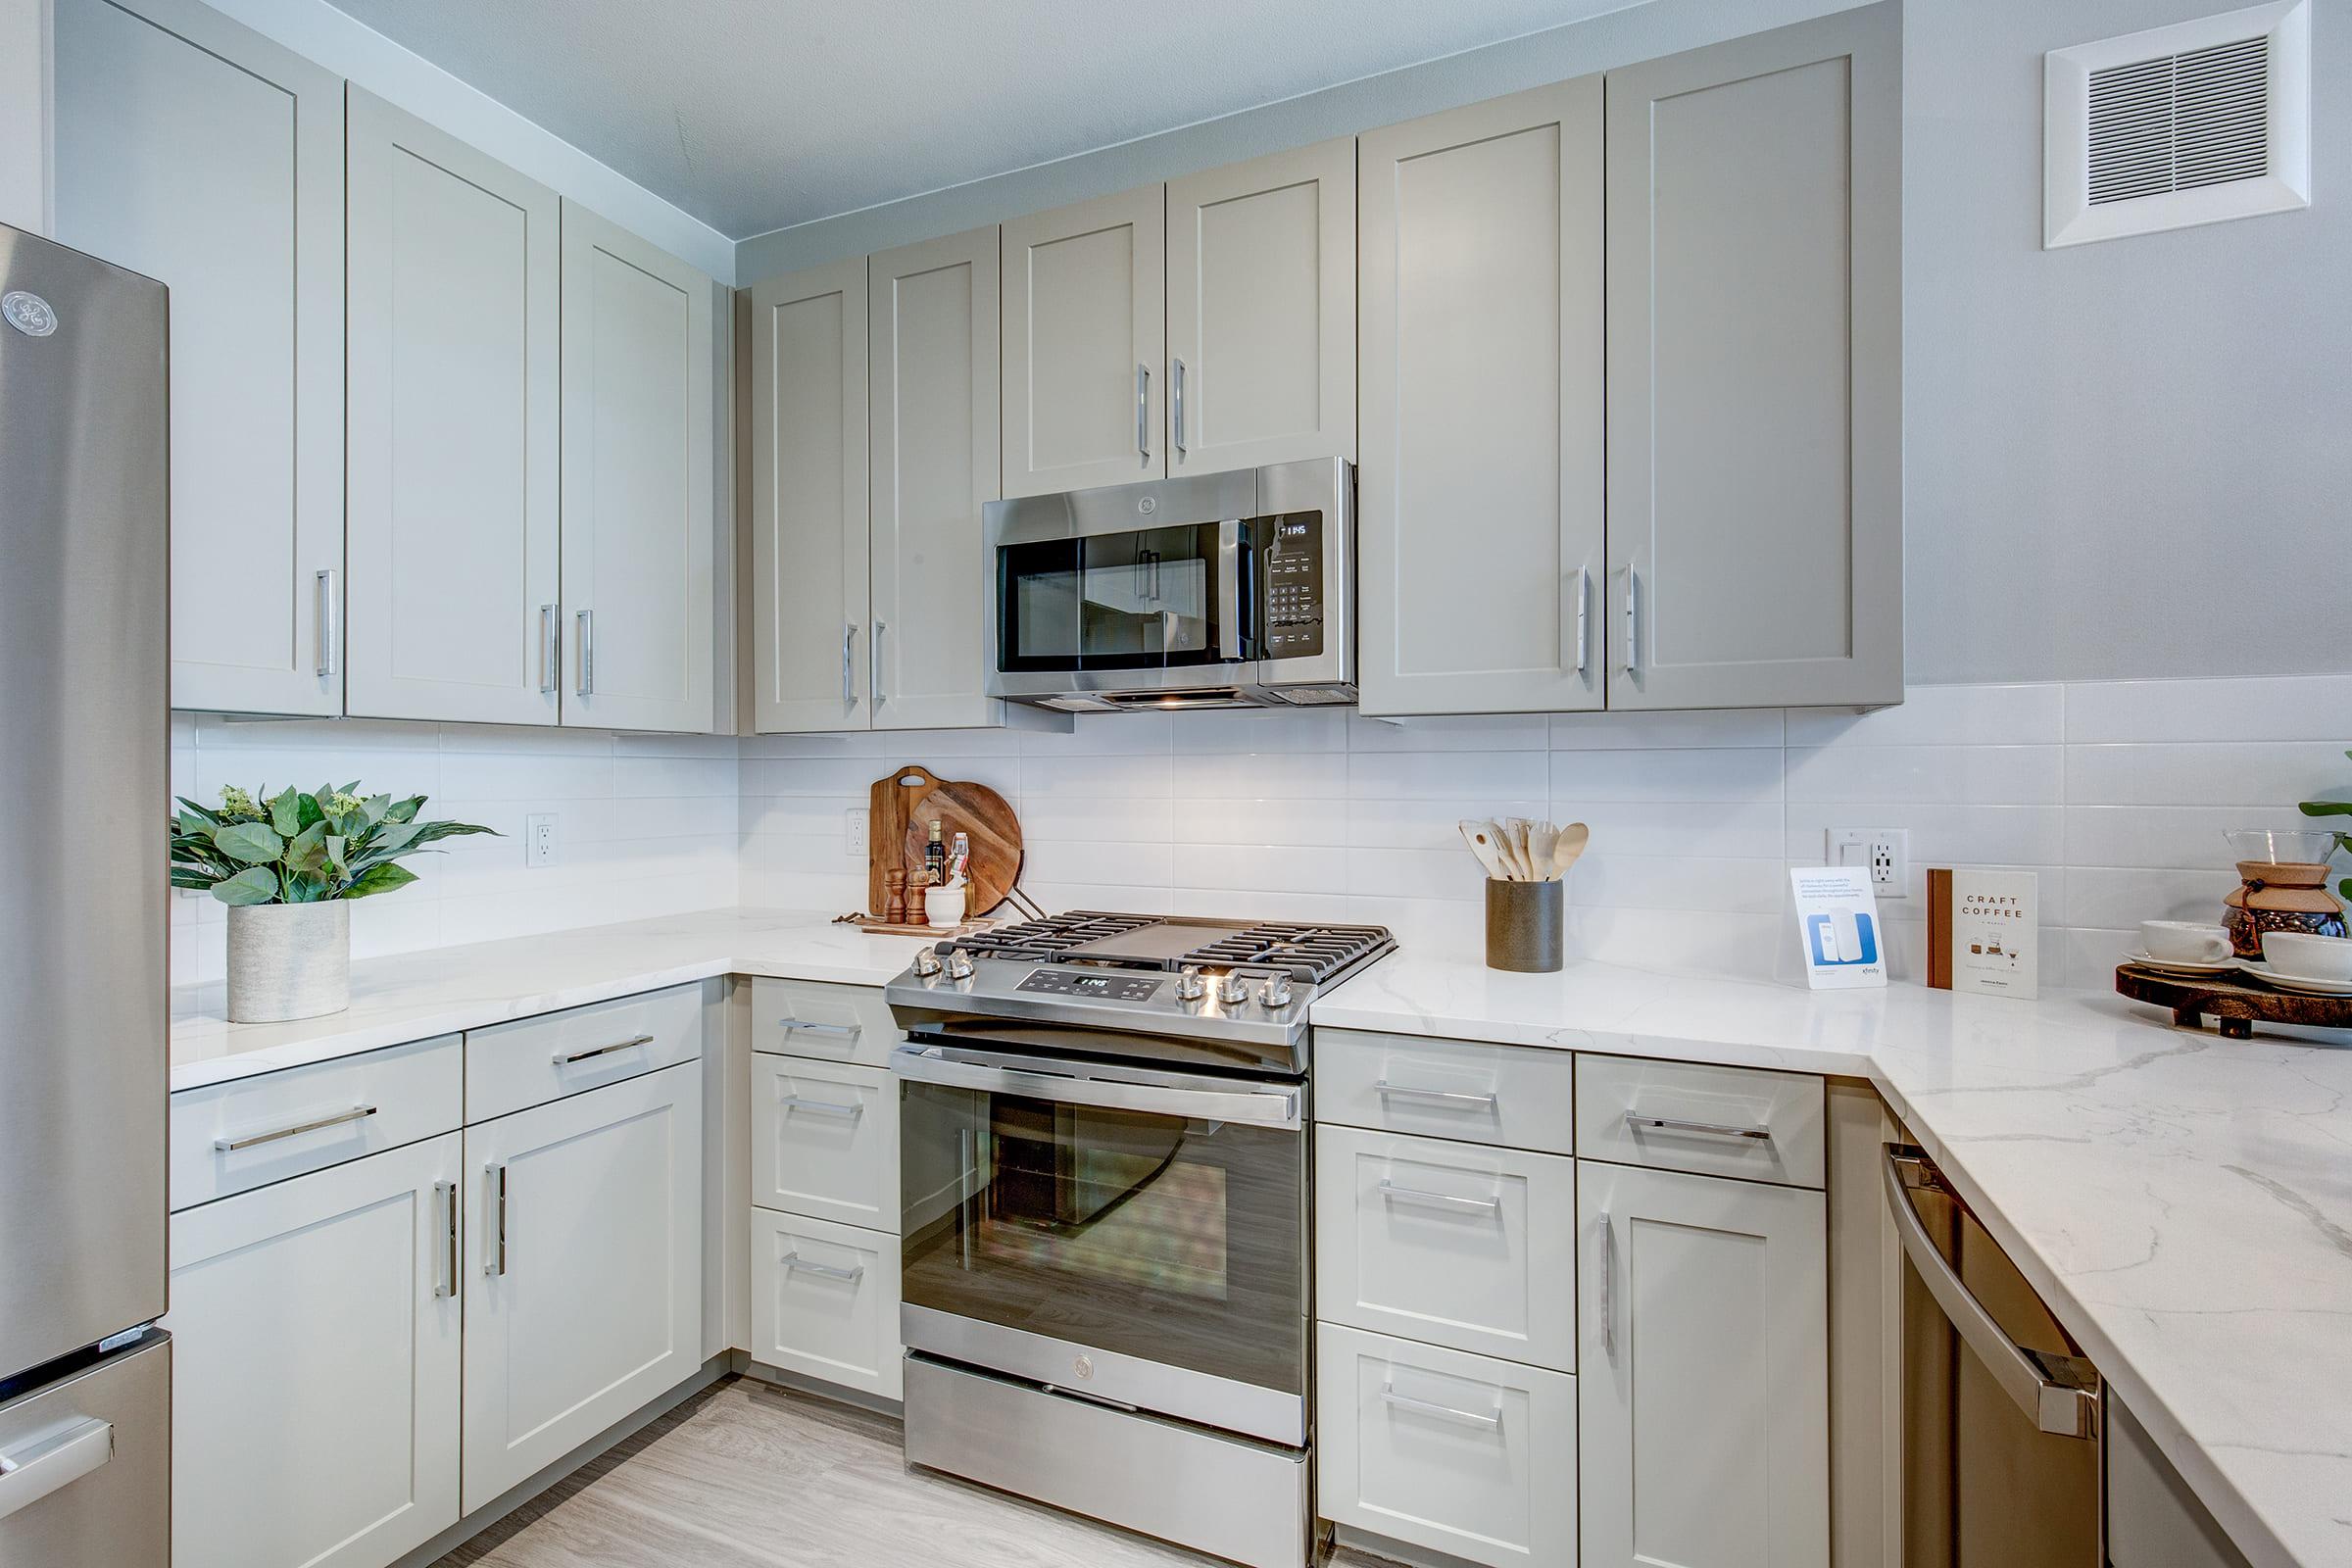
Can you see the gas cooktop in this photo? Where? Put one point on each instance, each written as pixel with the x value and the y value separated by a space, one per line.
pixel 1170 988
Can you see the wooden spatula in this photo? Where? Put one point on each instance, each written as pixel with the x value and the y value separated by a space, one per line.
pixel 1486 842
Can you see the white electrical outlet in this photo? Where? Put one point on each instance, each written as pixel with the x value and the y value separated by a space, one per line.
pixel 1887 851
pixel 539 840
pixel 853 833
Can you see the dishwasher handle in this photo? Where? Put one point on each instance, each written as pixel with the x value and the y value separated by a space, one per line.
pixel 2059 1394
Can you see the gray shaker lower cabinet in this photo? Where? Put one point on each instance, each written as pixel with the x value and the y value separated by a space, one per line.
pixel 1755 491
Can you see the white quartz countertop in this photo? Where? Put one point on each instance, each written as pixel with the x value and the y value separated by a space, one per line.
pixel 416 995
pixel 2181 1201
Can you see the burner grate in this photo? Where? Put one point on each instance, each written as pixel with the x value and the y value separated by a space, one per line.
pixel 1056 933
pixel 1310 952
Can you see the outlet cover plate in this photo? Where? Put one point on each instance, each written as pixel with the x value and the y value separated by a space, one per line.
pixel 1885 850
pixel 539 840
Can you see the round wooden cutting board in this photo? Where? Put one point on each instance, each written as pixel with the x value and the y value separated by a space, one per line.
pixel 975 809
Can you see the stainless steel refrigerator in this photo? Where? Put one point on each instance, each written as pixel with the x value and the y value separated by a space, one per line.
pixel 85 1431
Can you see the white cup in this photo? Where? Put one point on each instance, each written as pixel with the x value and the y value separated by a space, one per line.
pixel 944 906
pixel 2301 955
pixel 2183 941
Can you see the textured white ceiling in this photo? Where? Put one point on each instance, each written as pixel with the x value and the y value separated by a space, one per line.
pixel 751 115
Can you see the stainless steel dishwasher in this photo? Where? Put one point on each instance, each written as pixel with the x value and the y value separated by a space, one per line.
pixel 2015 1451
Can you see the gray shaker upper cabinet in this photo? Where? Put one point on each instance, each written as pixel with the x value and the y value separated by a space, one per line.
pixel 1084 316
pixel 932 419
pixel 1755 358
pixel 200 153
pixel 639 466
pixel 808 659
pixel 1261 311
pixel 1479 490
pixel 455 385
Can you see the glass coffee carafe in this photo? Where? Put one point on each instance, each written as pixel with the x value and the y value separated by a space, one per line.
pixel 2282 886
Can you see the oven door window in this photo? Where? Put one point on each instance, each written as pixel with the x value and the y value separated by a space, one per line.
pixel 1146 600
pixel 1174 1240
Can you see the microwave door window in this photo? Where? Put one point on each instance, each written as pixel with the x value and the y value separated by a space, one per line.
pixel 1150 599
pixel 1039 605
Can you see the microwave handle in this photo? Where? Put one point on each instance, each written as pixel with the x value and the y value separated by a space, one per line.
pixel 1229 591
pixel 2059 1394
pixel 1261 1109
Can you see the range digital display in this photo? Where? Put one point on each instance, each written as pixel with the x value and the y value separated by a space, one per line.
pixel 1083 983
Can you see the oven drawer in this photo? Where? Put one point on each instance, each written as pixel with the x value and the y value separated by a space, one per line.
pixel 283 1124
pixel 825 1301
pixel 1711 1121
pixel 825 1022
pixel 1462 1455
pixel 1463 1089
pixel 825 1141
pixel 514 1066
pixel 1458 1245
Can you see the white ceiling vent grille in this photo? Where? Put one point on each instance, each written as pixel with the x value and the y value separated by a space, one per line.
pixel 2185 125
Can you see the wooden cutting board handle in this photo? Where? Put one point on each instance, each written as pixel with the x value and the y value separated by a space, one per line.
pixel 890 806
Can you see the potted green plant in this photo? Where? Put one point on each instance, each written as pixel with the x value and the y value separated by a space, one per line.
pixel 289 865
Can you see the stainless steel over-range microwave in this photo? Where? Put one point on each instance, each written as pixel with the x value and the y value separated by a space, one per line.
pixel 1228 590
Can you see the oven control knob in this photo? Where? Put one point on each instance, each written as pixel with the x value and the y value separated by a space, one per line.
pixel 1274 992
pixel 1190 987
pixel 960 964
pixel 926 963
pixel 1234 989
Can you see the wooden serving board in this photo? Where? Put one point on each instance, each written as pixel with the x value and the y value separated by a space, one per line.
pixel 2235 1006
pixel 984 816
pixel 888 806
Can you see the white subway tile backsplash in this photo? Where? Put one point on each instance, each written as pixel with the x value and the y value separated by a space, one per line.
pixel 1745 774
pixel 1446 775
pixel 1943 716
pixel 2257 774
pixel 2269 707
pixel 1979 775
pixel 1659 731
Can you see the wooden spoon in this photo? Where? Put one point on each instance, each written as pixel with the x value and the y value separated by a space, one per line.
pixel 1572 841
pixel 1486 842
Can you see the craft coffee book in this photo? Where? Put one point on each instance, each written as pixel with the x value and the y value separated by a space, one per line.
pixel 1983 932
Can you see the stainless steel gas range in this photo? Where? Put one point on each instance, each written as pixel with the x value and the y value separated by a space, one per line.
pixel 1104 1166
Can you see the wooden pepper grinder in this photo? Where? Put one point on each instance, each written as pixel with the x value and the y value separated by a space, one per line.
pixel 894 896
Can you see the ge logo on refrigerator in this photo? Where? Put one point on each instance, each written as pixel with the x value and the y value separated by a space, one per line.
pixel 29 313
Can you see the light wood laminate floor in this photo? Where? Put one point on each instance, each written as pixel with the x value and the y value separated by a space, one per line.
pixel 745 1475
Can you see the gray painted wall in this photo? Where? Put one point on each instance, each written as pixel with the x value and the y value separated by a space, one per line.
pixel 2126 460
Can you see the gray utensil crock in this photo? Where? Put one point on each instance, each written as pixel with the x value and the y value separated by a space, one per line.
pixel 1525 925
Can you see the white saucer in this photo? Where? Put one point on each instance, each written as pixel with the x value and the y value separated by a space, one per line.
pixel 2182 966
pixel 2294 982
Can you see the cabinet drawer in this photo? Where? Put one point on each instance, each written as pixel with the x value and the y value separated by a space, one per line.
pixel 1448 1087
pixel 825 1301
pixel 1459 1453
pixel 250 1132
pixel 1716 1121
pixel 514 1066
pixel 1460 1244
pixel 827 1022
pixel 825 1141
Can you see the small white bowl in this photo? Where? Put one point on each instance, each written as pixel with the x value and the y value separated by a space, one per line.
pixel 2301 955
pixel 944 906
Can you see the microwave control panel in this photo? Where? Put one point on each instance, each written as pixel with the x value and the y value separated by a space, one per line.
pixel 1080 983
pixel 1291 586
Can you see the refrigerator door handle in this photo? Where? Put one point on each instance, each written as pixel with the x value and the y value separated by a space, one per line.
pixel 33 1472
pixel 2058 1393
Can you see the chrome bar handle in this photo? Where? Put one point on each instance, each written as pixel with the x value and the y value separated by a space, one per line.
pixel 496 1176
pixel 874 652
pixel 936 1064
pixel 327 625
pixel 563 1059
pixel 794 1262
pixel 1143 412
pixel 1639 1123
pixel 827 1106
pixel 2059 1394
pixel 847 1031
pixel 1608 1286
pixel 445 1199
pixel 1489 1420
pixel 56 1460
pixel 1176 402
pixel 551 654
pixel 587 653
pixel 229 1145
pixel 1437 1096
pixel 1416 1195
pixel 1633 621
pixel 1584 633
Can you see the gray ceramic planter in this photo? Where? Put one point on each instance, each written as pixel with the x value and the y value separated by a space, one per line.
pixel 288 960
